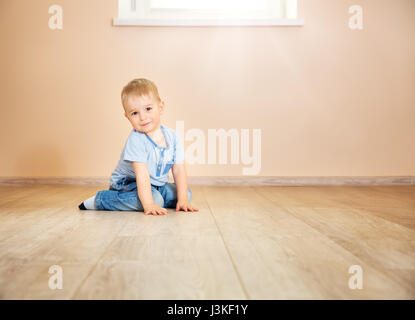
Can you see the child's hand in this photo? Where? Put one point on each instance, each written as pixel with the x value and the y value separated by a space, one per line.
pixel 185 206
pixel 155 210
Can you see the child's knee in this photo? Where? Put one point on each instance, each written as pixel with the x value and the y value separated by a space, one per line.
pixel 158 198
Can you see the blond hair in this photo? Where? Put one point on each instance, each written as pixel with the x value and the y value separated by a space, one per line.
pixel 139 87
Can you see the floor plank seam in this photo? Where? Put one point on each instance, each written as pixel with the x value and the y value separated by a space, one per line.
pixel 373 265
pixel 227 251
pixel 97 262
pixel 382 218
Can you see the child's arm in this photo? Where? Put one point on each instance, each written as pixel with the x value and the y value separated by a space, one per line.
pixel 144 190
pixel 180 179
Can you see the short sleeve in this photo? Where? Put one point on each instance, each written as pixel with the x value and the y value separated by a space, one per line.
pixel 135 148
pixel 178 149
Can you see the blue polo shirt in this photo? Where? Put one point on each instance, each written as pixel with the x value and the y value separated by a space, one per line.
pixel 141 148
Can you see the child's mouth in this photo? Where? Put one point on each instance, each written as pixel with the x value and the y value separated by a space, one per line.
pixel 146 124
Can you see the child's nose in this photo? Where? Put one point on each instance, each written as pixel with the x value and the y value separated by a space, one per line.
pixel 142 116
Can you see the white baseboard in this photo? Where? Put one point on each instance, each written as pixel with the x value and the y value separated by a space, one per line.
pixel 227 181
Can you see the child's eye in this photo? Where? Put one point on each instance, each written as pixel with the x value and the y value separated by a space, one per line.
pixel 148 108
pixel 134 113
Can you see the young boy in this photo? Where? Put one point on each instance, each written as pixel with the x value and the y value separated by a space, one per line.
pixel 140 180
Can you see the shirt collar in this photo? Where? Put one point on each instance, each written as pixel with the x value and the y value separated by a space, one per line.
pixel 165 138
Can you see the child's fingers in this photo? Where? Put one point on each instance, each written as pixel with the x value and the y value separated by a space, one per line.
pixel 192 209
pixel 187 208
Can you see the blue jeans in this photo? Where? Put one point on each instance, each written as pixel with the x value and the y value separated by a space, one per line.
pixel 123 196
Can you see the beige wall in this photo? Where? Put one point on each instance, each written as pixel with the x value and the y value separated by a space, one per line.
pixel 329 101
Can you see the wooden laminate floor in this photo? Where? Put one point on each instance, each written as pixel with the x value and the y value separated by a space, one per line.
pixel 245 243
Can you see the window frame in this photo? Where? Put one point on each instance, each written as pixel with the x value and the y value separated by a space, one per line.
pixel 144 15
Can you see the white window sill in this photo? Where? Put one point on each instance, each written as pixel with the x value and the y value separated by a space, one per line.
pixel 208 22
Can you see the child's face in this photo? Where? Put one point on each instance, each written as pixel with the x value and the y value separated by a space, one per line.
pixel 144 112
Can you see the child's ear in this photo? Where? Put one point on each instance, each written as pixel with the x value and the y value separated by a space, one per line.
pixel 125 115
pixel 161 106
